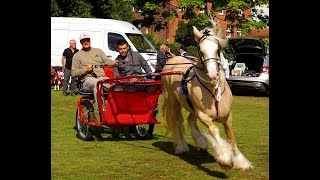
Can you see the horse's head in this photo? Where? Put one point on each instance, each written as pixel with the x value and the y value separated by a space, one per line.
pixel 209 43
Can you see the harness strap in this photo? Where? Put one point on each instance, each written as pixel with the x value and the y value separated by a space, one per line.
pixel 215 100
pixel 183 86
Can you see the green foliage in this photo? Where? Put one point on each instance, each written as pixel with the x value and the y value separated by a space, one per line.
pixel 232 8
pixel 151 6
pixel 153 40
pixel 150 9
pixel 184 4
pixel 55 9
pixel 242 23
pixel 193 51
pixel 229 54
pixel 238 4
pixel 174 47
pixel 122 10
pixel 80 9
pixel 187 7
pixel 184 34
pixel 113 9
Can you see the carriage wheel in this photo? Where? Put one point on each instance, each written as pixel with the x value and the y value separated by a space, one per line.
pixel 84 131
pixel 143 131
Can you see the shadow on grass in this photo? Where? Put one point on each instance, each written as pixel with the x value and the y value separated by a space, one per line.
pixel 104 133
pixel 194 157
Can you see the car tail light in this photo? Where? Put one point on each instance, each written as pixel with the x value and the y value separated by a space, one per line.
pixel 265 70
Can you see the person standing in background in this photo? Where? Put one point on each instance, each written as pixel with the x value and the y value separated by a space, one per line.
pixel 225 64
pixel 66 62
pixel 168 52
pixel 162 56
pixel 183 51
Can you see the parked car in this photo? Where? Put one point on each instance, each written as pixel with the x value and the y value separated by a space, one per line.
pixel 249 69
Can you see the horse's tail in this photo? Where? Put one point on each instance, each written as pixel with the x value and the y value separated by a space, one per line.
pixel 172 114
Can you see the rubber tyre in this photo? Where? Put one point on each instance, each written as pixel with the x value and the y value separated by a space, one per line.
pixel 84 131
pixel 143 131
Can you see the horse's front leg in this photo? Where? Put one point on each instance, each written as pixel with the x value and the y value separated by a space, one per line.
pixel 199 139
pixel 239 161
pixel 222 150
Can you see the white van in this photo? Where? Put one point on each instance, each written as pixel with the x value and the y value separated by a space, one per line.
pixel 104 34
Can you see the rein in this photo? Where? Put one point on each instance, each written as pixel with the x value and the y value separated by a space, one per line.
pixel 190 59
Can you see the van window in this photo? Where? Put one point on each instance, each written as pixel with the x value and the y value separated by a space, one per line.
pixel 113 38
pixel 141 43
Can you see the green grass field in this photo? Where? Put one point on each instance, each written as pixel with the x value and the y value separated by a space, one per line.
pixel 125 158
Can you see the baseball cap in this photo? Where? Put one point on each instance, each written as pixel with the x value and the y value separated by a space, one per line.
pixel 84 35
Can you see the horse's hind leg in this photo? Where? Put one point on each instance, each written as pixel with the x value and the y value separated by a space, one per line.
pixel 198 138
pixel 178 136
pixel 174 123
pixel 239 161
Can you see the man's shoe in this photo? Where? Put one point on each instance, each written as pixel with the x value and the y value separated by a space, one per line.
pixel 73 94
pixel 64 94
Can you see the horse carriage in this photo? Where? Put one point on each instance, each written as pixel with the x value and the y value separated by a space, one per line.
pixel 125 104
pixel 199 86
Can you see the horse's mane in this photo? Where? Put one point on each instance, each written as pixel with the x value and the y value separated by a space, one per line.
pixel 217 31
pixel 216 28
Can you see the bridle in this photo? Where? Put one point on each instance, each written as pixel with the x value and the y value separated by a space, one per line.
pixel 203 61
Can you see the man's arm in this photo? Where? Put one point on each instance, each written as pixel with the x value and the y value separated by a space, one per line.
pixel 172 54
pixel 63 58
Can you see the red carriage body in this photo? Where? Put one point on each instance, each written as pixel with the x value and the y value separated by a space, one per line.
pixel 126 103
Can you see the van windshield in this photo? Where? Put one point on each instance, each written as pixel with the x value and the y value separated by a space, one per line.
pixel 142 44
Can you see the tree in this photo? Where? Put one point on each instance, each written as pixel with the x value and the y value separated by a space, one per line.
pixel 159 12
pixel 113 9
pixel 184 34
pixel 167 11
pixel 55 8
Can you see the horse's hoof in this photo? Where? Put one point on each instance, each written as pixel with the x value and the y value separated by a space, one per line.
pixel 225 166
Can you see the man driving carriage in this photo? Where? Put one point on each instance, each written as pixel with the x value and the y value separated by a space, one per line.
pixel 84 62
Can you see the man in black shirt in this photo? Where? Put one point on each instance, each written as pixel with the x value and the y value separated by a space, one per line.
pixel 67 63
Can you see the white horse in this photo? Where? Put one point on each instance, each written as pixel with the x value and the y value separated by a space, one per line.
pixel 204 92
